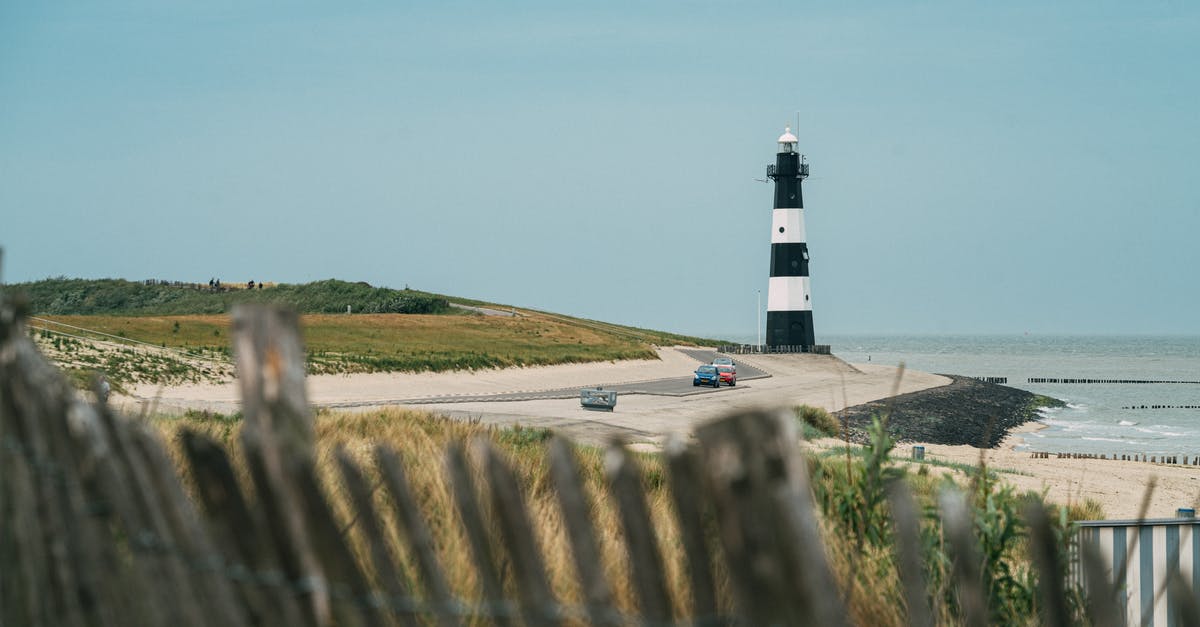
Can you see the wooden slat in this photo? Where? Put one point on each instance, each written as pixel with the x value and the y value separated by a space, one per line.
pixel 35 397
pixel 538 605
pixel 908 554
pixel 351 597
pixel 109 488
pixel 36 404
pixel 126 592
pixel 251 553
pixel 367 525
pixel 269 353
pixel 687 495
pixel 103 593
pixel 205 567
pixel 463 487
pixel 584 547
pixel 1100 603
pixel 1046 560
pixel 645 560
pixel 420 540
pixel 957 524
pixel 158 543
pixel 278 437
pixel 767 521
pixel 278 426
pixel 21 553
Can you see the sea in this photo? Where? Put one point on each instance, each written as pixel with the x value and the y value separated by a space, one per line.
pixel 1103 418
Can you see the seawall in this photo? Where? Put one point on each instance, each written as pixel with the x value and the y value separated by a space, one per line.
pixel 965 412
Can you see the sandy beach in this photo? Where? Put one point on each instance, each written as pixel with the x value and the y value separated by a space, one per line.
pixel 1119 486
pixel 646 420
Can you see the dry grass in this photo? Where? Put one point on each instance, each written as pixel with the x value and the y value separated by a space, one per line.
pixel 387 342
pixel 867 572
pixel 420 439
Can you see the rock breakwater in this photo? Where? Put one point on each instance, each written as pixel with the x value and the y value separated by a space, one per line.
pixel 966 411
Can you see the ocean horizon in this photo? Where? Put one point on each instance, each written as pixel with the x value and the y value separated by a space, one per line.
pixel 1158 417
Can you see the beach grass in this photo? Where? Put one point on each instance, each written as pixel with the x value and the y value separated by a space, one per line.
pixel 961 467
pixel 849 491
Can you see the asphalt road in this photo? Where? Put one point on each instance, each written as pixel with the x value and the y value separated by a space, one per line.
pixel 673 386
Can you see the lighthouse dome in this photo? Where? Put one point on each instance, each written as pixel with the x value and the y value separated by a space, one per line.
pixel 787 137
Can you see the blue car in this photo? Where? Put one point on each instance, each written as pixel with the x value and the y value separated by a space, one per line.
pixel 707 375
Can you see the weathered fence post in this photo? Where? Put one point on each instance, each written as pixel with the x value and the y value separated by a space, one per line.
pixel 966 569
pixel 252 555
pixel 420 540
pixel 1048 563
pixel 367 524
pixel 767 521
pixel 277 435
pixel 463 488
pixel 908 554
pixel 584 548
pixel 688 496
pixel 645 560
pixel 537 600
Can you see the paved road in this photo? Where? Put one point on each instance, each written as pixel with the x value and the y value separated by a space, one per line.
pixel 673 386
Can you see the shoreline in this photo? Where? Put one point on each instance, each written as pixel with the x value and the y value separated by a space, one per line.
pixel 1016 436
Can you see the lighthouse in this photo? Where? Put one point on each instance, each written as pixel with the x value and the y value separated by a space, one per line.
pixel 789 306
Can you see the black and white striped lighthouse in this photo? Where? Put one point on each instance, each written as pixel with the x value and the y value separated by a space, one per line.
pixel 789 308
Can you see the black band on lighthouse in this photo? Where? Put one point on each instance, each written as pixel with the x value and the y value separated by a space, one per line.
pixel 787 181
pixel 789 259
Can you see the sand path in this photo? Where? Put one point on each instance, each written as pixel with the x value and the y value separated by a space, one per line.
pixel 819 380
pixel 822 381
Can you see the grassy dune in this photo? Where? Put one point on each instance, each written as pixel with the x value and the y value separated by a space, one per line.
pixel 197 348
pixel 848 490
pixel 170 333
pixel 389 342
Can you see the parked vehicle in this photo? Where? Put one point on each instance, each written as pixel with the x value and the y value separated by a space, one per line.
pixel 726 374
pixel 598 398
pixel 707 375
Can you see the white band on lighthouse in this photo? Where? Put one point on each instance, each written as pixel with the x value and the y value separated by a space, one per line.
pixel 787 226
pixel 788 293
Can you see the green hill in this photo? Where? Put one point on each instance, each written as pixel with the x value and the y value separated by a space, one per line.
pixel 168 333
pixel 86 297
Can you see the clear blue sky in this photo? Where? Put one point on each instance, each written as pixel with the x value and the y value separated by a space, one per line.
pixel 977 167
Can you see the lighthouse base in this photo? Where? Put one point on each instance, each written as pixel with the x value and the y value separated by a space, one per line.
pixel 790 328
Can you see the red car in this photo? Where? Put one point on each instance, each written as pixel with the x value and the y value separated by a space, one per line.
pixel 727 374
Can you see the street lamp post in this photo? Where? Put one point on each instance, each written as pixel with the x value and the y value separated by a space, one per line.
pixel 759 318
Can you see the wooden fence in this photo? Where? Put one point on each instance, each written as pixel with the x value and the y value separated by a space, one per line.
pixel 769 349
pixel 96 527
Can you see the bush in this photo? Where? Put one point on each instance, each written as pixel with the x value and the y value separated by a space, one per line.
pixel 70 297
pixel 819 419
